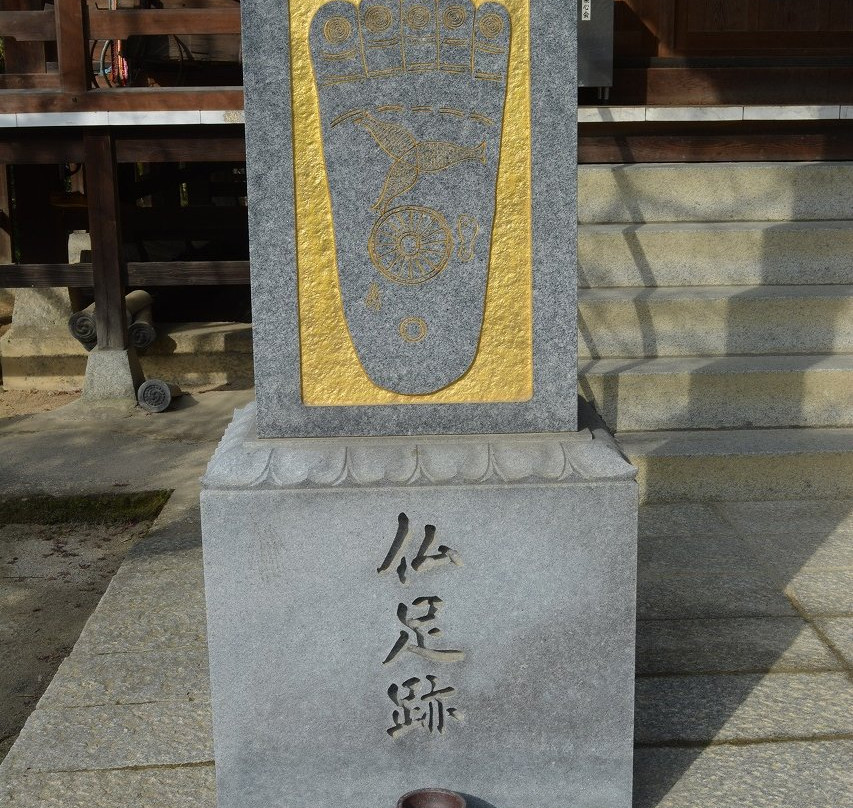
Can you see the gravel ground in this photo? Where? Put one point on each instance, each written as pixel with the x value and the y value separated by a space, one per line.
pixel 26 402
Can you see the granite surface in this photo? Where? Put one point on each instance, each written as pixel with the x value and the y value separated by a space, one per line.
pixel 369 636
pixel 112 375
pixel 839 631
pixel 783 706
pixel 806 774
pixel 115 736
pixel 272 227
pixel 754 769
pixel 144 787
pixel 244 461
pixel 412 102
pixel 733 645
pixel 707 593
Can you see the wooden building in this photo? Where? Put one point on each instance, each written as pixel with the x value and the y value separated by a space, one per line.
pixel 726 54
pixel 142 98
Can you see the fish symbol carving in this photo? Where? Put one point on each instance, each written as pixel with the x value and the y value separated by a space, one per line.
pixel 412 157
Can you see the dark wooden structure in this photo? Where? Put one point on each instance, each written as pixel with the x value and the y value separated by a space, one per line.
pixel 49 68
pixel 668 52
pixel 101 151
pixel 733 52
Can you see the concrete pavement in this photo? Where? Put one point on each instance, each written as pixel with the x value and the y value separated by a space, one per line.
pixel 745 638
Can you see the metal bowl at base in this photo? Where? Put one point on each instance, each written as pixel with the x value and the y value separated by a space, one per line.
pixel 431 798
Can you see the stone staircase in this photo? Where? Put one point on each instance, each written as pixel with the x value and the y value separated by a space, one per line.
pixel 716 324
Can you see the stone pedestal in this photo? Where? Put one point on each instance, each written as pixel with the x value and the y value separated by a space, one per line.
pixel 387 614
pixel 112 374
pixel 398 611
pixel 37 352
pixel 411 216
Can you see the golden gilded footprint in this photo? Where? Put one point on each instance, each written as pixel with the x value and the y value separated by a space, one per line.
pixel 411 96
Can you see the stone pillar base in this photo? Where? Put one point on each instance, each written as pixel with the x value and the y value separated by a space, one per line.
pixel 112 374
pixel 392 614
pixel 37 352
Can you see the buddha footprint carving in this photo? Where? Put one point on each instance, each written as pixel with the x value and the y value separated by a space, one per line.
pixel 411 99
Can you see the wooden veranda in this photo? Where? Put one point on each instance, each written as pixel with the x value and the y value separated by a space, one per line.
pixel 49 73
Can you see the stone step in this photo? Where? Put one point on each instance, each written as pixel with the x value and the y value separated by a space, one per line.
pixel 41 358
pixel 715 321
pixel 202 355
pixel 720 392
pixel 742 464
pixel 190 355
pixel 716 253
pixel 715 192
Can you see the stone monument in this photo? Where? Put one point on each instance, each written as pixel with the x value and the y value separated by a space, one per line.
pixel 419 571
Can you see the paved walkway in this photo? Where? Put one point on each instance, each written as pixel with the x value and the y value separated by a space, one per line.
pixel 745 640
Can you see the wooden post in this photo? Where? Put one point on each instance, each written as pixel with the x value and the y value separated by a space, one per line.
pixel 73 47
pixel 6 295
pixel 24 57
pixel 108 264
pixel 5 217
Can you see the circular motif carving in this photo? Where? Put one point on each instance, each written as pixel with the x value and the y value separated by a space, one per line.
pixel 337 30
pixel 413 329
pixel 410 244
pixel 378 19
pixel 454 16
pixel 154 395
pixel 490 25
pixel 418 17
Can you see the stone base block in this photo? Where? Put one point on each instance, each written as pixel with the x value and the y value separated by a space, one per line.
pixel 7 301
pixel 37 352
pixel 201 354
pixel 389 614
pixel 187 354
pixel 112 374
pixel 35 358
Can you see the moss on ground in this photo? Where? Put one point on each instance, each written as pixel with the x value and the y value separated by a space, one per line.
pixel 43 509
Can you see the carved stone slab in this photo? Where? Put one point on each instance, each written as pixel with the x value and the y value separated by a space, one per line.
pixel 411 170
pixel 412 102
pixel 244 461
pixel 394 617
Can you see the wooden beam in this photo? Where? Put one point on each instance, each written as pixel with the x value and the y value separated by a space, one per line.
pixel 28 26
pixel 133 99
pixel 73 46
pixel 188 273
pixel 701 85
pixel 217 144
pixel 23 56
pixel 5 217
pixel 108 265
pixel 124 23
pixel 149 273
pixel 715 142
pixel 29 81
pixel 34 275
pixel 26 146
pixel 201 147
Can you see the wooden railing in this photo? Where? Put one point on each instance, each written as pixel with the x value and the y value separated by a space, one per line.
pixel 49 66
